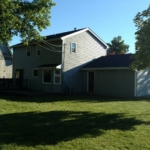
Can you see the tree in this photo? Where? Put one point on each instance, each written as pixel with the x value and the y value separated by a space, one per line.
pixel 117 46
pixel 24 18
pixel 142 45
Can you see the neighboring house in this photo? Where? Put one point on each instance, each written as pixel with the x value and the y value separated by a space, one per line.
pixel 111 76
pixel 5 61
pixel 54 65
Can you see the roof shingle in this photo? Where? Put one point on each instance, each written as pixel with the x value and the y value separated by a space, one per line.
pixel 111 61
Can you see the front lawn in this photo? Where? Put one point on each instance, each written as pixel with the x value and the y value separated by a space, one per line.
pixel 74 123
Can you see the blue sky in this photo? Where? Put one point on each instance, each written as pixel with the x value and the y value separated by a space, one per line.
pixel 107 18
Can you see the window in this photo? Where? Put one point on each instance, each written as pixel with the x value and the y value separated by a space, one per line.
pixel 73 47
pixel 35 73
pixel 38 50
pixel 47 76
pixel 57 76
pixel 28 51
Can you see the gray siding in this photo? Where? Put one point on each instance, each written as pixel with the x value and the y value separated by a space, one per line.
pixel 88 49
pixel 143 83
pixel 21 61
pixel 5 62
pixel 115 83
pixel 112 82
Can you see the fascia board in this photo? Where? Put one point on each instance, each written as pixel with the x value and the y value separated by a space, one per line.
pixel 86 29
pixel 98 38
pixel 108 68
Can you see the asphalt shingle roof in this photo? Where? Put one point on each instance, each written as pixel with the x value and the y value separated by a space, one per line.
pixel 111 61
pixel 55 36
pixel 59 35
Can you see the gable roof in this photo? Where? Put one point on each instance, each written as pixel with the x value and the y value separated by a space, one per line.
pixel 110 62
pixel 64 35
pixel 60 35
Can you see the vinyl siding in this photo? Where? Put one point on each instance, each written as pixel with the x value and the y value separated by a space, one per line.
pixel 111 82
pixel 21 61
pixel 5 62
pixel 143 83
pixel 88 49
pixel 115 83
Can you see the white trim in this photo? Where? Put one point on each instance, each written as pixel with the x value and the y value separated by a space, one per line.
pixel 43 76
pixel 54 75
pixel 59 66
pixel 56 67
pixel 75 33
pixel 135 84
pixel 88 81
pixel 33 73
pixel 86 29
pixel 71 47
pixel 107 68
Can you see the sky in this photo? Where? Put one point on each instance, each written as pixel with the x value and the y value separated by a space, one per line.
pixel 106 18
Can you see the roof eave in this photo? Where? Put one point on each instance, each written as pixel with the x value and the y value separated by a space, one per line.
pixel 22 45
pixel 86 29
pixel 107 68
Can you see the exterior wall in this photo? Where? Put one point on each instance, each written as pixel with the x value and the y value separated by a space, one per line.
pixel 88 49
pixel 113 82
pixel 21 61
pixel 5 62
pixel 84 82
pixel 143 83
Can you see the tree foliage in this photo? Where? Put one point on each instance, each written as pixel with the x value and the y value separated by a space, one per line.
pixel 24 18
pixel 142 45
pixel 117 46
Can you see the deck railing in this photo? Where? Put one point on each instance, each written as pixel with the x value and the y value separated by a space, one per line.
pixel 13 83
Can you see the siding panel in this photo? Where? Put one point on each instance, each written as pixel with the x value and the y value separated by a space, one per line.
pixel 115 83
pixel 21 61
pixel 88 49
pixel 143 83
pixel 5 62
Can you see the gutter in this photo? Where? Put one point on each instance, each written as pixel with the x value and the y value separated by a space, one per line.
pixel 107 68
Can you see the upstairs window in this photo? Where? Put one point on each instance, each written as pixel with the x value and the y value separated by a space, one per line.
pixel 28 51
pixel 57 76
pixel 73 47
pixel 35 73
pixel 38 50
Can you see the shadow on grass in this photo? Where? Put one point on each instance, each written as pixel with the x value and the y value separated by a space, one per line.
pixel 50 128
pixel 58 98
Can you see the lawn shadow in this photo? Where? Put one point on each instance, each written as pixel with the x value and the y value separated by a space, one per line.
pixel 59 98
pixel 50 128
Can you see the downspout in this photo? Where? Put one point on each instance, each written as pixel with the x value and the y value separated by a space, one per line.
pixel 135 83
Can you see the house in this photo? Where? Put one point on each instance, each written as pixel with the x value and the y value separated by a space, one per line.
pixel 54 64
pixel 111 75
pixel 5 61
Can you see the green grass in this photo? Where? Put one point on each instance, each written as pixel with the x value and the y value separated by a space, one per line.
pixel 74 123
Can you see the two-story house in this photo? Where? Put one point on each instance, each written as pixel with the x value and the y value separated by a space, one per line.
pixel 54 65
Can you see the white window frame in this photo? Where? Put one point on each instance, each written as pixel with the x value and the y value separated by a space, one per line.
pixel 71 48
pixel 38 48
pixel 56 75
pixel 43 76
pixel 28 49
pixel 33 73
